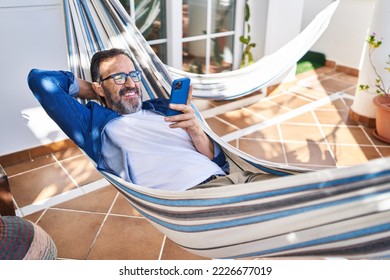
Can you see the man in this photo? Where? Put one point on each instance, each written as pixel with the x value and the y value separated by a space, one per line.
pixel 128 137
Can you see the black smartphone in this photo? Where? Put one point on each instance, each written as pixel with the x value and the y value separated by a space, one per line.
pixel 179 94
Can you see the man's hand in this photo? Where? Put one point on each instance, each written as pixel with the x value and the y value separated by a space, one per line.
pixel 86 90
pixel 188 121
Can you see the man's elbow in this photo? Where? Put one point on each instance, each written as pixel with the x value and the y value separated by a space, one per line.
pixel 35 80
pixel 46 82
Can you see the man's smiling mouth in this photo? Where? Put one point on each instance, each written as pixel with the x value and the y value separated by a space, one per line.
pixel 127 92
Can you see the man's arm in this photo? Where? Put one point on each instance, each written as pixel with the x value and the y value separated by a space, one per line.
pixel 188 121
pixel 201 141
pixel 85 90
pixel 55 91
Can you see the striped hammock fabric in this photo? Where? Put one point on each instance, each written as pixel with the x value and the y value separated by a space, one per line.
pixel 330 213
pixel 94 25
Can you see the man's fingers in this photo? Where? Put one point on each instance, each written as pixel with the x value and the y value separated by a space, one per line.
pixel 181 107
pixel 188 113
pixel 182 124
pixel 189 95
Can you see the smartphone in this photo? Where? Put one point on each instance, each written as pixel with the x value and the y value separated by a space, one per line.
pixel 179 94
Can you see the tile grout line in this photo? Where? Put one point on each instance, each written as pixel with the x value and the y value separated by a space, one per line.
pixel 269 122
pixel 323 134
pixel 18 212
pixel 76 211
pixel 92 212
pixel 237 143
pixel 372 142
pixel 31 170
pixel 102 224
pixel 227 123
pixel 66 171
pixel 162 247
pixel 208 113
pixel 63 197
pixel 303 142
pixel 212 112
pixel 40 216
pixel 41 166
pixel 282 142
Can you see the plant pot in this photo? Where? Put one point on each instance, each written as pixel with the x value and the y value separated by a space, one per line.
pixel 363 109
pixel 382 131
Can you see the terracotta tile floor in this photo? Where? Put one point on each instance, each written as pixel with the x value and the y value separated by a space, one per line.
pixel 302 123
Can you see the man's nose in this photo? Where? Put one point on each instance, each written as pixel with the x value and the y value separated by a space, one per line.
pixel 129 81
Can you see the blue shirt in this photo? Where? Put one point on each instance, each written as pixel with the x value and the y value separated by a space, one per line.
pixel 85 124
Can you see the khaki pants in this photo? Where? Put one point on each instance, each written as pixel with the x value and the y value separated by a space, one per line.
pixel 235 178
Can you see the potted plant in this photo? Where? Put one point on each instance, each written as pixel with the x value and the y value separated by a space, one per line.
pixel 381 88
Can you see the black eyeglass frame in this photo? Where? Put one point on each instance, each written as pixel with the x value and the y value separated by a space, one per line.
pixel 137 75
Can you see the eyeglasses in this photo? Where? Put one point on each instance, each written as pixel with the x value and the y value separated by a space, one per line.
pixel 121 78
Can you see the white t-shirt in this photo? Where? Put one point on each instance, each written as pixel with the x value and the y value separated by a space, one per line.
pixel 143 149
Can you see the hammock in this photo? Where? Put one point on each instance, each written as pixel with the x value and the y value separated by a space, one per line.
pixel 238 83
pixel 336 212
pixel 105 24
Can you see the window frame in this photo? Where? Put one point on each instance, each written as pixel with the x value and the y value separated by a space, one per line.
pixel 174 32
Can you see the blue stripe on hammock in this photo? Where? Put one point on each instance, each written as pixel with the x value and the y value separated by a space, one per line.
pixel 92 23
pixel 68 33
pixel 334 238
pixel 241 198
pixel 86 27
pixel 121 17
pixel 259 218
pixel 269 170
pixel 382 257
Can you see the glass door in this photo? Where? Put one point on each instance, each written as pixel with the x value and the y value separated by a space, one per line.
pixel 193 35
pixel 208 34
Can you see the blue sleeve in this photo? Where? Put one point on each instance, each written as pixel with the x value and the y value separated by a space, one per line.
pixel 55 91
pixel 220 158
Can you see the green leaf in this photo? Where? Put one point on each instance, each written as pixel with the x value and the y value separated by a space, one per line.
pixel 247 11
pixel 244 40
pixel 363 87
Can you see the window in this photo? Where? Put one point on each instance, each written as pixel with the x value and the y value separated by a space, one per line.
pixel 150 19
pixel 194 35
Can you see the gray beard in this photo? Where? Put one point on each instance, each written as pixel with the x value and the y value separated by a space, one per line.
pixel 121 107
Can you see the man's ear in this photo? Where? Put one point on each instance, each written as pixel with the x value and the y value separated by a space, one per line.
pixel 98 89
pixel 100 93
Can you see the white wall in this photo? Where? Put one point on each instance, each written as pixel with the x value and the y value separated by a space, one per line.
pixel 32 36
pixel 258 21
pixel 279 32
pixel 343 41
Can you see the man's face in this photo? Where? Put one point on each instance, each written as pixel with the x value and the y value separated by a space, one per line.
pixel 126 98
